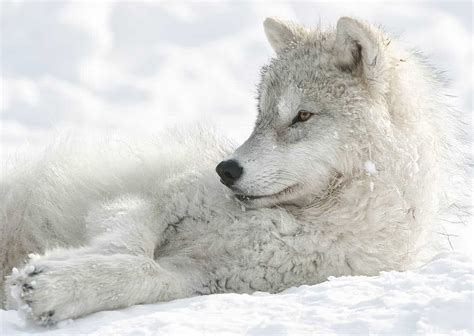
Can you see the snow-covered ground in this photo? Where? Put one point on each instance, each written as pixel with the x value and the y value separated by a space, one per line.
pixel 139 67
pixel 434 299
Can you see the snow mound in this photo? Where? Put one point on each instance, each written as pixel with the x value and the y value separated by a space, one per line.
pixel 435 298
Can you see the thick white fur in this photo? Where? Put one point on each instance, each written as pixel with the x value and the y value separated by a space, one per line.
pixel 126 224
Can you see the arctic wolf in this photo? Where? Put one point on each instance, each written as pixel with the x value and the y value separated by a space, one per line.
pixel 339 177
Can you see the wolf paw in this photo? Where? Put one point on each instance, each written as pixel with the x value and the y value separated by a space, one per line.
pixel 40 293
pixel 23 286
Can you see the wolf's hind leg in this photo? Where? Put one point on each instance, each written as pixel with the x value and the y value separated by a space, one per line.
pixel 127 225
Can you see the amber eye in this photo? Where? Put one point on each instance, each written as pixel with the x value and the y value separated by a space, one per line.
pixel 302 116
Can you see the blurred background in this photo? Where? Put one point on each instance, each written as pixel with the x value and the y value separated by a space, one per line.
pixel 139 67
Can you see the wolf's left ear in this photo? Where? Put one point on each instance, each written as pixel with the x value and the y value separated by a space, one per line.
pixel 282 34
pixel 359 48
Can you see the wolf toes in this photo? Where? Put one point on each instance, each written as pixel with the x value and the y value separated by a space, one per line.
pixel 47 318
pixel 26 297
pixel 19 283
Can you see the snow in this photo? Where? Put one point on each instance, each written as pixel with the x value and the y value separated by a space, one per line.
pixel 436 298
pixel 370 167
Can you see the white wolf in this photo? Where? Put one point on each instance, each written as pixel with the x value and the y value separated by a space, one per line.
pixel 340 176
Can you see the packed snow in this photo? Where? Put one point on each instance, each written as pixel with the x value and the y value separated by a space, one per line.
pixel 436 298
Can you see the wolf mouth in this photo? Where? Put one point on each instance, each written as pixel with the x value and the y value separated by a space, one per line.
pixel 243 197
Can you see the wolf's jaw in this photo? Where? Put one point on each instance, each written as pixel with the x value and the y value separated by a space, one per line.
pixel 244 198
pixel 298 196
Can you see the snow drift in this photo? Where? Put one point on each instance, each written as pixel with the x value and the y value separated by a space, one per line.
pixel 435 298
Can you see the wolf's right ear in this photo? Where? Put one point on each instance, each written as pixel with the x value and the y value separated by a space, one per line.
pixel 282 34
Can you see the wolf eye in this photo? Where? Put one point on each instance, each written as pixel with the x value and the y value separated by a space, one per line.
pixel 302 116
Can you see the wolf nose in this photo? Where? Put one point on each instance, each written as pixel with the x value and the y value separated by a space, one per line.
pixel 229 171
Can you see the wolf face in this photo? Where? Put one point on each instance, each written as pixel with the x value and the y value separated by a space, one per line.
pixel 310 99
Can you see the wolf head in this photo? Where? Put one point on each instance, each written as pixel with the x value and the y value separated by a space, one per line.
pixel 312 103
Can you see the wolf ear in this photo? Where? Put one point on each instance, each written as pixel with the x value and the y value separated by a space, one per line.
pixel 356 46
pixel 282 34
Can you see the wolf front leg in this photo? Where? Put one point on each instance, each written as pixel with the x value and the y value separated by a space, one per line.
pixel 116 270
pixel 49 291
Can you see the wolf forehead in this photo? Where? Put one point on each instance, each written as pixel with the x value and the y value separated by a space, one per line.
pixel 304 75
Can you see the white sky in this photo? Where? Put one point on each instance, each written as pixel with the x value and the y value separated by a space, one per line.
pixel 139 67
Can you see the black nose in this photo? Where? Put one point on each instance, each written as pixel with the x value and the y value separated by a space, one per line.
pixel 229 171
